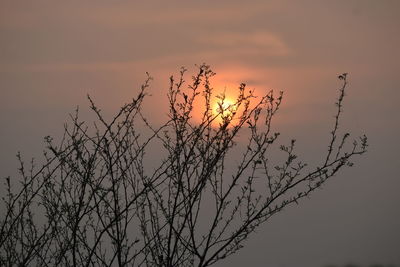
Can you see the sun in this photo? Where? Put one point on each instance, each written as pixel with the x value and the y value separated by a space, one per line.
pixel 224 109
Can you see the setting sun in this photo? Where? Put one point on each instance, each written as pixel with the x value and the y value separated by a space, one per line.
pixel 224 109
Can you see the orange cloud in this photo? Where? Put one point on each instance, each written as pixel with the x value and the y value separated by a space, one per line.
pixel 253 42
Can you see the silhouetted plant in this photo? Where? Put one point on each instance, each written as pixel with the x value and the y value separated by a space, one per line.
pixel 93 202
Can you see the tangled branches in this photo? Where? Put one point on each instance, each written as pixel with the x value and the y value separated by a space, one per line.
pixel 93 202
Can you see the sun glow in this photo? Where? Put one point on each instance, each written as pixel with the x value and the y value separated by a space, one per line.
pixel 224 109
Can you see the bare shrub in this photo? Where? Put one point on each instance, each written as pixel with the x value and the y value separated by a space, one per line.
pixel 93 203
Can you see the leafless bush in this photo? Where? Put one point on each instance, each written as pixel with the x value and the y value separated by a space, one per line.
pixel 93 203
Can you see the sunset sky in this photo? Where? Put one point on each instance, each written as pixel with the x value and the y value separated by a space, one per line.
pixel 54 53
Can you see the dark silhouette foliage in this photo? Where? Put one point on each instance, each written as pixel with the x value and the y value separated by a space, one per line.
pixel 95 203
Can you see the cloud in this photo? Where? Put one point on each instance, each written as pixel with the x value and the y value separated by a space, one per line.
pixel 121 15
pixel 253 43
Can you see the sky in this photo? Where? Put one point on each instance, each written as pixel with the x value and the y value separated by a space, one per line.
pixel 54 53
